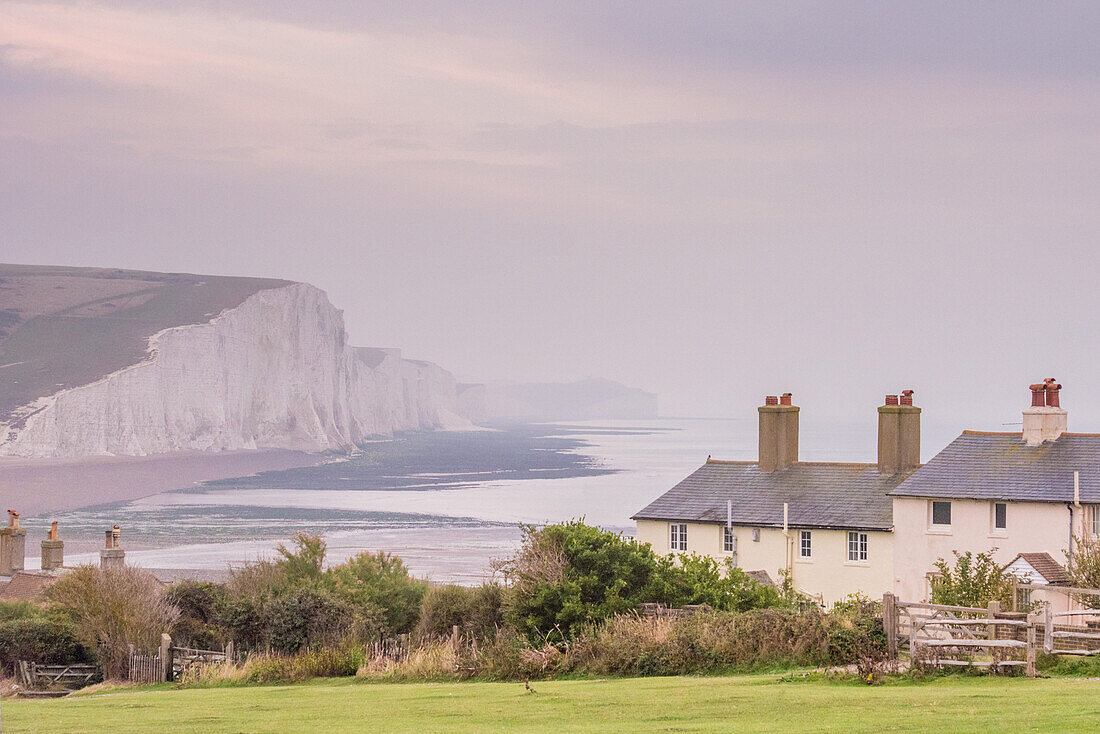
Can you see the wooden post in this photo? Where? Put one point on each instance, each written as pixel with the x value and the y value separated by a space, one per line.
pixel 992 611
pixel 890 624
pixel 165 672
pixel 1031 670
pixel 1048 630
pixel 230 653
pixel 454 637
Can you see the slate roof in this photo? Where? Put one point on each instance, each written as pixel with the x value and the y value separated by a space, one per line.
pixel 1001 466
pixel 1045 566
pixel 818 494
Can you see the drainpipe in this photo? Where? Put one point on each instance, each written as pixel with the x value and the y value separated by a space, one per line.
pixel 1075 506
pixel 787 542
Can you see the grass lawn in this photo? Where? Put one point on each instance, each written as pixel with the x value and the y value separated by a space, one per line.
pixel 757 703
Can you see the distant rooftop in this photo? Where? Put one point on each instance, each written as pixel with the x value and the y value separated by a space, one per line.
pixel 1002 466
pixel 818 495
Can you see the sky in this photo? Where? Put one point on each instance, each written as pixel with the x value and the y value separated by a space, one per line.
pixel 713 201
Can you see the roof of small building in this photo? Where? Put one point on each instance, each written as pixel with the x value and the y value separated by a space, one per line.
pixel 980 465
pixel 26 586
pixel 1044 565
pixel 818 495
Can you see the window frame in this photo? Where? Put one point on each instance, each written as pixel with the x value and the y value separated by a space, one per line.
pixel 858 547
pixel 805 544
pixel 1094 510
pixel 932 515
pixel 729 540
pixel 996 529
pixel 677 537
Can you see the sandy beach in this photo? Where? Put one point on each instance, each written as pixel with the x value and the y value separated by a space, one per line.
pixel 35 486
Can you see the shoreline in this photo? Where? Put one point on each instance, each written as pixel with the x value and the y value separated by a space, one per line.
pixel 37 486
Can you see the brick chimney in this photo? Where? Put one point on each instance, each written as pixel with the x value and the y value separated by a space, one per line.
pixel 898 434
pixel 112 555
pixel 13 545
pixel 1045 420
pixel 778 433
pixel 53 550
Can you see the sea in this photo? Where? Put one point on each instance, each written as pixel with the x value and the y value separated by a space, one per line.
pixel 448 503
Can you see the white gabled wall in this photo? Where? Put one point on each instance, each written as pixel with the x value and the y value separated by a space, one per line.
pixel 827 574
pixel 1032 527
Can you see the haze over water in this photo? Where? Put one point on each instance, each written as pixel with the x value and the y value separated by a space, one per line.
pixel 445 502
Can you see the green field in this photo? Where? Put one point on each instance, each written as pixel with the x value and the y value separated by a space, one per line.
pixel 759 703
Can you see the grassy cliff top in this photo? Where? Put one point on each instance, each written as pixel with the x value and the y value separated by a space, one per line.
pixel 62 327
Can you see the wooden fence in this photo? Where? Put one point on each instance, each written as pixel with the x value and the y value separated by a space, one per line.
pixel 145 668
pixel 941 635
pixel 34 675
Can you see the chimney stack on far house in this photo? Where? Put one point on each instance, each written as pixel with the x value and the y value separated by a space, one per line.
pixel 778 433
pixel 13 545
pixel 898 434
pixel 112 556
pixel 53 550
pixel 1045 420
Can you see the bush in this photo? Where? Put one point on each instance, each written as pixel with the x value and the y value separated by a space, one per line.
pixel 41 638
pixel 307 617
pixel 722 586
pixel 975 581
pixel 1084 568
pixel 856 636
pixel 329 662
pixel 114 608
pixel 569 575
pixel 200 606
pixel 477 611
pixel 381 583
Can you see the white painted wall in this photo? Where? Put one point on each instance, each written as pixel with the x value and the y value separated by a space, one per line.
pixel 1032 527
pixel 827 574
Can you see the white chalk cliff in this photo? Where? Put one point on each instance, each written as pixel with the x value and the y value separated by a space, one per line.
pixel 275 371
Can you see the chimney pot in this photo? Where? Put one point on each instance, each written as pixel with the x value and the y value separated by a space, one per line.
pixel 785 399
pixel 898 434
pixel 1045 420
pixel 53 550
pixel 771 400
pixel 13 545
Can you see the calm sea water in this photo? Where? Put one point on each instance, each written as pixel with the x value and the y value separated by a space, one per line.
pixel 445 502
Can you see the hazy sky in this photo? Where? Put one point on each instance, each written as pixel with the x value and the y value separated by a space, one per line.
pixel 713 201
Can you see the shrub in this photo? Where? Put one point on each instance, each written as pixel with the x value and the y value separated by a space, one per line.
pixel 307 617
pixel 568 575
pixel 477 611
pixel 114 608
pixel 975 581
pixel 200 606
pixel 328 662
pixel 381 583
pixel 856 636
pixel 42 638
pixel 701 643
pixel 722 586
pixel 1084 568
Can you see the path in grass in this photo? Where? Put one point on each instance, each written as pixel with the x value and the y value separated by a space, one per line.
pixel 742 703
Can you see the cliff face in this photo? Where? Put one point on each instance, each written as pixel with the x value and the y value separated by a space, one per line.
pixel 275 371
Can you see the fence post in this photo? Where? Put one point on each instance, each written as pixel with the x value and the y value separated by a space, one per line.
pixel 1048 630
pixel 165 673
pixel 1031 671
pixel 992 611
pixel 230 656
pixel 890 624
